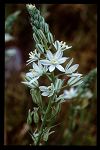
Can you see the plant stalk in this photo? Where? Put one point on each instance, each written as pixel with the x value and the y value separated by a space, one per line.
pixel 44 122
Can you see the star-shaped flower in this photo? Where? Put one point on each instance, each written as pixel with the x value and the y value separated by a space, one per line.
pixel 38 70
pixel 72 69
pixel 54 61
pixel 61 45
pixel 30 81
pixel 72 93
pixel 33 56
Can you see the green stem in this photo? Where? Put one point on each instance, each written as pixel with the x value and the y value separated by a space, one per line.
pixel 49 77
pixel 44 122
pixel 41 102
pixel 82 113
pixel 73 117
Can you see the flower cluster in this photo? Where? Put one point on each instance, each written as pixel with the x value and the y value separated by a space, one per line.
pixel 48 65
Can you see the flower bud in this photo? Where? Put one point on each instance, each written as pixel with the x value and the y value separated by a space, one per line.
pixel 46 135
pixel 35 38
pixel 46 28
pixel 36 16
pixel 36 23
pixel 50 38
pixel 30 6
pixel 39 47
pixel 34 29
pixel 42 26
pixel 41 19
pixel 41 35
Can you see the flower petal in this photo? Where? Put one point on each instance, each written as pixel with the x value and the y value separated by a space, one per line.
pixel 58 54
pixel 34 79
pixel 36 68
pixel 30 61
pixel 50 94
pixel 40 65
pixel 67 47
pixel 57 45
pixel 29 74
pixel 69 64
pixel 51 68
pixel 74 75
pixel 45 93
pixel 73 80
pixel 43 88
pixel 66 92
pixel 59 67
pixel 45 62
pixel 72 69
pixel 49 55
pixel 62 60
pixel 79 82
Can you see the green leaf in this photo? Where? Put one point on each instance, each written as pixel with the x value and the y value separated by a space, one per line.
pixel 10 20
pixel 35 116
pixel 29 118
pixel 34 96
pixel 40 48
pixel 58 108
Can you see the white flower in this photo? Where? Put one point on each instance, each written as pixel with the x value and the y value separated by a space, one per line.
pixel 30 6
pixel 70 70
pixel 30 81
pixel 47 91
pixel 54 61
pixel 88 94
pixel 58 85
pixel 61 45
pixel 38 70
pixel 31 77
pixel 33 56
pixel 75 77
pixel 74 74
pixel 74 81
pixel 72 93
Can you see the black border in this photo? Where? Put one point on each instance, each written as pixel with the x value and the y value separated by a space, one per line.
pixel 2 71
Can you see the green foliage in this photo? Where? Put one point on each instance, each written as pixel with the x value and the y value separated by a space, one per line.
pixel 10 21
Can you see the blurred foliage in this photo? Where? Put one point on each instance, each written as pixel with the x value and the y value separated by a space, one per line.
pixel 10 20
pixel 77 25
